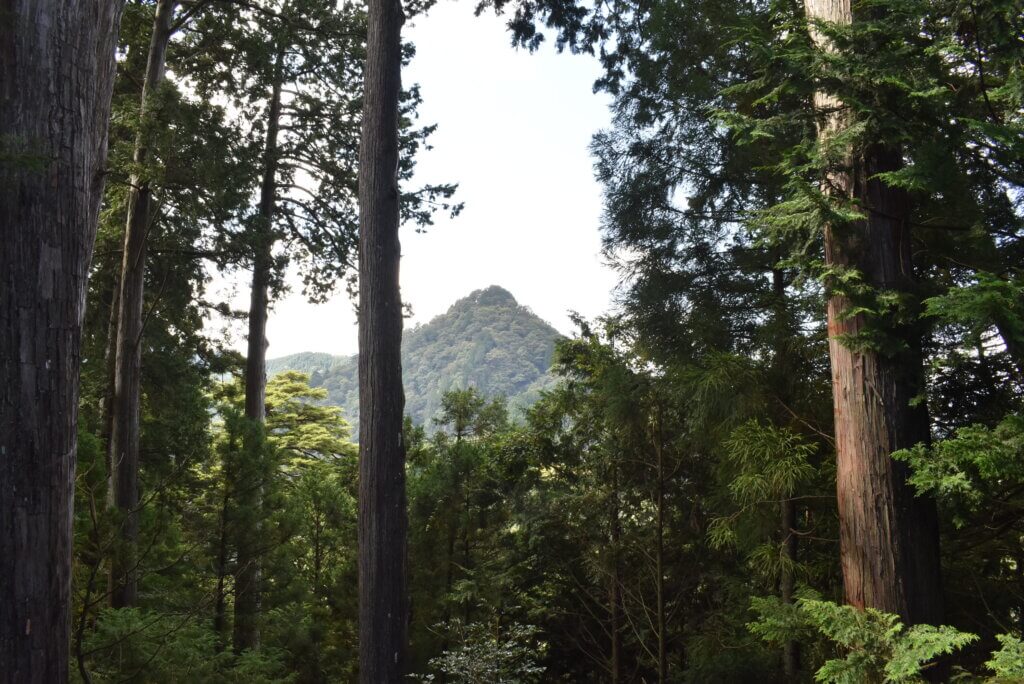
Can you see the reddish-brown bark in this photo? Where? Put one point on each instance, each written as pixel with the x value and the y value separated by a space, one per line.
pixel 888 537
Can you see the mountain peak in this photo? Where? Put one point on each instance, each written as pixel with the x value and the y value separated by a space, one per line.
pixel 486 340
pixel 494 295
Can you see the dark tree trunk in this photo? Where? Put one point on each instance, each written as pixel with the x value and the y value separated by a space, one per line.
pixel 56 76
pixel 109 371
pixel 220 615
pixel 124 436
pixel 614 586
pixel 383 604
pixel 787 584
pixel 660 553
pixel 888 537
pixel 781 379
pixel 249 491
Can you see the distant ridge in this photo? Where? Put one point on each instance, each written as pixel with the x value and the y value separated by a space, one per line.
pixel 485 340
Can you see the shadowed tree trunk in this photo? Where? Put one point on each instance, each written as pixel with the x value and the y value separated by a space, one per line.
pixel 124 435
pixel 383 605
pixel 782 377
pixel 56 76
pixel 888 537
pixel 787 584
pixel 249 491
pixel 659 448
pixel 614 587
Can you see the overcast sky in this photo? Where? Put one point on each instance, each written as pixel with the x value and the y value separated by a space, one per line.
pixel 513 132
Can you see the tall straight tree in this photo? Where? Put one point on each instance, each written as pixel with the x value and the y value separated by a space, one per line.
pixel 383 607
pixel 888 537
pixel 124 436
pixel 300 63
pixel 56 76
pixel 247 580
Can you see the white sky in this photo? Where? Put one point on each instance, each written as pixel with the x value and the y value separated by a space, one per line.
pixel 513 131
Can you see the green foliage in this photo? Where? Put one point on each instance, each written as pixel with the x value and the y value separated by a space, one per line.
pixel 675 467
pixel 874 647
pixel 486 654
pixel 972 469
pixel 136 645
pixel 1008 662
pixel 770 462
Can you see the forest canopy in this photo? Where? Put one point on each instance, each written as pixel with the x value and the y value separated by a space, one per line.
pixel 792 452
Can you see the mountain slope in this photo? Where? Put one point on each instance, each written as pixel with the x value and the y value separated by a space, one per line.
pixel 486 340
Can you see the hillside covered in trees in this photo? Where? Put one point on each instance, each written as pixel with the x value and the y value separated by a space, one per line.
pixel 485 340
pixel 793 453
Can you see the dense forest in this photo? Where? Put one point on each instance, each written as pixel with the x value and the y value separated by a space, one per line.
pixel 793 452
pixel 486 341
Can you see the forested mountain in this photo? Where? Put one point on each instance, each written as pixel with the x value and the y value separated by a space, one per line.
pixel 485 340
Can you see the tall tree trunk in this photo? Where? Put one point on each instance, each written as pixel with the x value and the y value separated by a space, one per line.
pixel 781 380
pixel 383 605
pixel 249 491
pixel 56 78
pixel 614 586
pixel 660 554
pixel 124 436
pixel 787 584
pixel 109 372
pixel 220 597
pixel 888 537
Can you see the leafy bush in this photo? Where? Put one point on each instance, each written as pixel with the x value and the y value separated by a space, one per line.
pixel 873 646
pixel 133 645
pixel 489 655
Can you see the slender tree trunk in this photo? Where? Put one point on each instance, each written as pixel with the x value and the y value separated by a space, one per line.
pixel 220 599
pixel 659 548
pixel 383 603
pixel 124 436
pixel 466 558
pixel 56 78
pixel 787 584
pixel 781 378
pixel 249 491
pixel 109 371
pixel 614 587
pixel 888 537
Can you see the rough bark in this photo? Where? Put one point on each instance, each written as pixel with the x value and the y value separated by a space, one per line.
pixel 888 537
pixel 125 414
pixel 56 76
pixel 383 603
pixel 250 492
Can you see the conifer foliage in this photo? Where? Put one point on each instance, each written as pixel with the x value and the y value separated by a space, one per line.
pixel 792 453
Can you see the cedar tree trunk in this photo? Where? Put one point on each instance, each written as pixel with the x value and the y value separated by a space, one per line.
pixel 56 77
pixel 383 604
pixel 249 490
pixel 888 537
pixel 124 435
